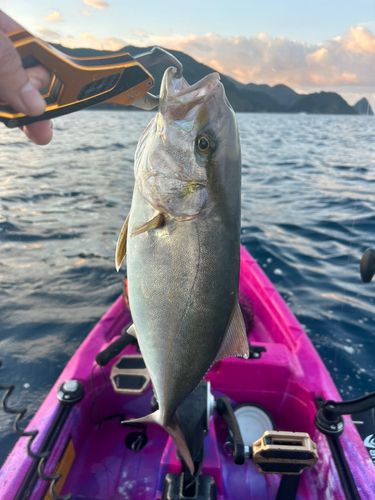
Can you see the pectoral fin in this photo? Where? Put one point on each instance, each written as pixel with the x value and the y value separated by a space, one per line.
pixel 132 331
pixel 154 223
pixel 235 341
pixel 121 244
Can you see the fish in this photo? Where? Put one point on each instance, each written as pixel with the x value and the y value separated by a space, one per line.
pixel 181 240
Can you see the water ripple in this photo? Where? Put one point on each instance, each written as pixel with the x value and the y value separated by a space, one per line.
pixel 308 213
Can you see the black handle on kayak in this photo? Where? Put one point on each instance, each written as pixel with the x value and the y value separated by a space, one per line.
pixel 333 409
pixel 225 410
pixel 328 418
pixel 104 357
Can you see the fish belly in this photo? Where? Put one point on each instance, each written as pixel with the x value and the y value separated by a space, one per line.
pixel 183 285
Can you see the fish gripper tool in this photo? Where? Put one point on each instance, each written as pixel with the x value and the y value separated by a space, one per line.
pixel 79 82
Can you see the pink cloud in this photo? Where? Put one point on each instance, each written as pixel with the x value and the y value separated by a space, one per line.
pixel 345 61
pixel 96 4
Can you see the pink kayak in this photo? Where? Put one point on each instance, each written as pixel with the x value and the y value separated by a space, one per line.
pixel 90 454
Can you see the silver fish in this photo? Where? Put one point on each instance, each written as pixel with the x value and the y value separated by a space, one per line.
pixel 182 240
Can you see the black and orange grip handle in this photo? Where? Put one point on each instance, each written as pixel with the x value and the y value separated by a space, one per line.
pixel 77 82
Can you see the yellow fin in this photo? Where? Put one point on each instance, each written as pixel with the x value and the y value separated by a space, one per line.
pixel 121 244
pixel 235 341
pixel 154 223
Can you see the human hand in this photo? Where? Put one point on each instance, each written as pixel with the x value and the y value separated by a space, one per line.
pixel 19 87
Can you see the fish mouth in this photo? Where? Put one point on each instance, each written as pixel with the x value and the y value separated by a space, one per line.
pixel 177 89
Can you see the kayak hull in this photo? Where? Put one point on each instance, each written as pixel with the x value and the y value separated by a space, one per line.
pixel 286 380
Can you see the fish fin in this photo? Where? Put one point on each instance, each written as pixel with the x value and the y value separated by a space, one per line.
pixel 121 244
pixel 173 430
pixel 235 341
pixel 132 331
pixel 151 418
pixel 154 223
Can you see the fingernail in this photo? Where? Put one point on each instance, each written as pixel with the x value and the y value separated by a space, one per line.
pixel 32 99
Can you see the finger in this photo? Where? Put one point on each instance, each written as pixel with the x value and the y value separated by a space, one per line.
pixel 7 24
pixel 39 132
pixel 15 86
pixel 39 76
pixel 35 74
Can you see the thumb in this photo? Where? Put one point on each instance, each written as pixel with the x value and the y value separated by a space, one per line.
pixel 15 86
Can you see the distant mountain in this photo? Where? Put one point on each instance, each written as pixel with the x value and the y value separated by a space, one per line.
pixel 363 107
pixel 245 98
pixel 281 93
pixel 323 103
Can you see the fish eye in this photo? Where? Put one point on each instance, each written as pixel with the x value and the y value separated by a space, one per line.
pixel 203 144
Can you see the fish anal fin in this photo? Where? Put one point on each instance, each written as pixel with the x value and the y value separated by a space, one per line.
pixel 173 430
pixel 132 331
pixel 121 244
pixel 235 341
pixel 154 223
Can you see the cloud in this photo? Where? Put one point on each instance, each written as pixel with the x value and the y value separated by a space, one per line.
pixel 342 64
pixel 106 44
pixel 85 12
pixel 90 41
pixel 360 40
pixel 54 17
pixel 345 62
pixel 96 4
pixel 49 34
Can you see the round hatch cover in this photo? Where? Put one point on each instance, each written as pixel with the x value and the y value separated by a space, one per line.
pixel 253 421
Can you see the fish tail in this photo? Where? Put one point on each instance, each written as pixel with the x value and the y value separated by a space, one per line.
pixel 176 434
pixel 173 430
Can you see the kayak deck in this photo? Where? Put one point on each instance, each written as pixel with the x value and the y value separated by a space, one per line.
pixel 285 380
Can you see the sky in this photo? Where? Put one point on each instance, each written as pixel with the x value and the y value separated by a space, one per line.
pixel 310 46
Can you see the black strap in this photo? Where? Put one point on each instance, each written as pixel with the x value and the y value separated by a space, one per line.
pixel 346 476
pixel 288 487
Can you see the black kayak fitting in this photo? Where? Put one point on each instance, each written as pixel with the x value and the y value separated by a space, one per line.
pixel 367 266
pixel 329 421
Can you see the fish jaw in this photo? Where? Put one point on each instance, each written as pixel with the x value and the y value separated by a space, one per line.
pixel 180 101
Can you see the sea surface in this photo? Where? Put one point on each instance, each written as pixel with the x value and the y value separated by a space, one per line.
pixel 308 214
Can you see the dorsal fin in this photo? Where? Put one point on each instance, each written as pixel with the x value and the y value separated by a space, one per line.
pixel 235 341
pixel 121 244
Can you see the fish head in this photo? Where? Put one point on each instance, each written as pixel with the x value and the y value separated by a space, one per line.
pixel 190 150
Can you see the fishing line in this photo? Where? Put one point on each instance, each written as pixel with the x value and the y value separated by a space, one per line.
pixel 194 480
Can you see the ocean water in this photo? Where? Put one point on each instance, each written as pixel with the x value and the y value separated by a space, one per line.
pixel 308 214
